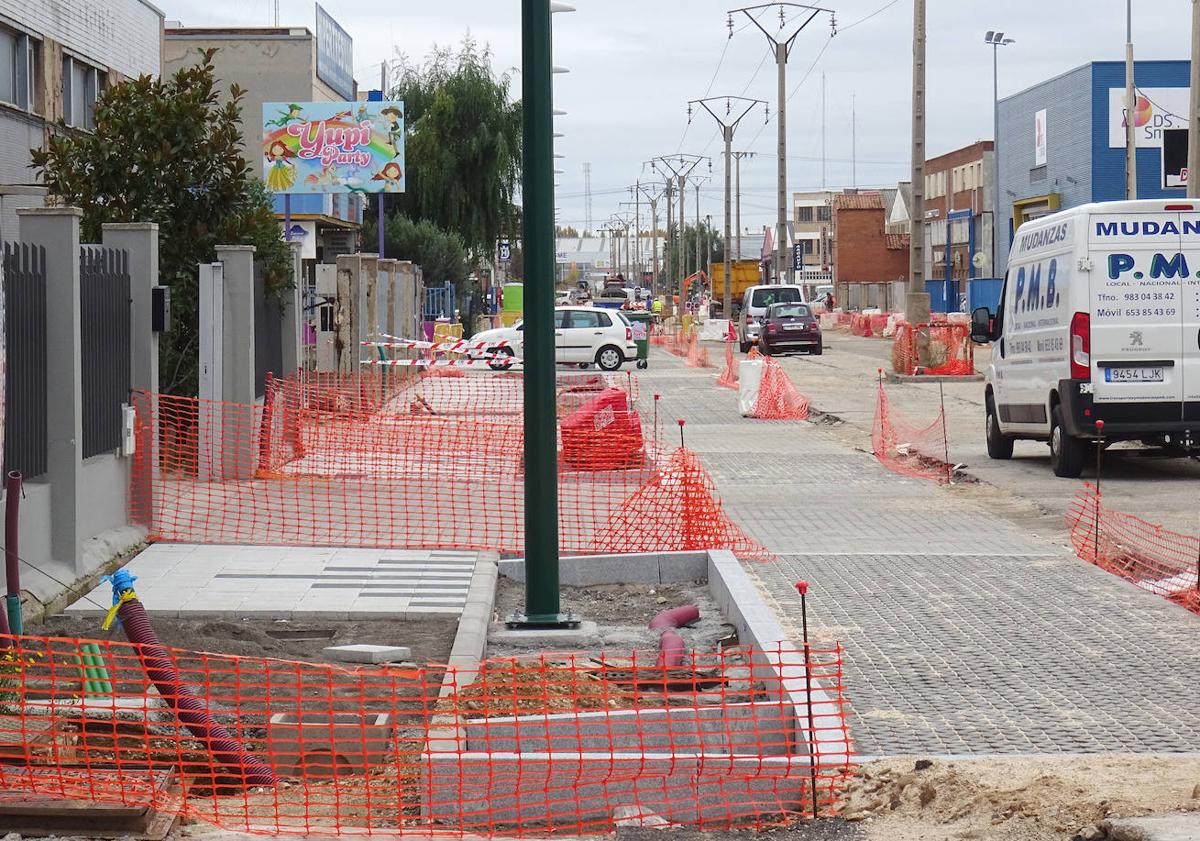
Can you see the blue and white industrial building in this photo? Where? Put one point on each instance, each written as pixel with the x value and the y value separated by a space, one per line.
pixel 1062 142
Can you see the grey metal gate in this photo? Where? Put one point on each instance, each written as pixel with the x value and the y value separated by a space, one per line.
pixel 105 344
pixel 25 442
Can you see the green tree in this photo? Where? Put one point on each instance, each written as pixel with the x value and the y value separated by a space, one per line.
pixel 463 145
pixel 441 254
pixel 167 151
pixel 569 232
pixel 677 267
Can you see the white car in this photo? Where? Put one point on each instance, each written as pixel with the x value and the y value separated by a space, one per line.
pixel 582 335
pixel 1099 320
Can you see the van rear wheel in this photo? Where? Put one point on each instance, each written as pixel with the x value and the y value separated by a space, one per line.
pixel 999 445
pixel 1067 453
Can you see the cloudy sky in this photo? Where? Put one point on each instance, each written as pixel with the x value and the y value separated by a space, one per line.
pixel 636 63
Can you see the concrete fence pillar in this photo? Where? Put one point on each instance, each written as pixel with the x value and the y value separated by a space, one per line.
pixel 292 332
pixel 238 448
pixel 139 240
pixel 57 230
pixel 344 343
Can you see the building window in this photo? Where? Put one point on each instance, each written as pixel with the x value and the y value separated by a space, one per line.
pixel 804 214
pixel 16 68
pixel 823 213
pixel 81 89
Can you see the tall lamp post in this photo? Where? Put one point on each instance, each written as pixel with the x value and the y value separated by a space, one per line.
pixel 542 605
pixel 997 40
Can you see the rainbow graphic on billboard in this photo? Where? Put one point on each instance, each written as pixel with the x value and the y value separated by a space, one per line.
pixel 333 147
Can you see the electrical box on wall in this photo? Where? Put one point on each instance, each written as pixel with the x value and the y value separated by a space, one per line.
pixel 160 308
pixel 128 427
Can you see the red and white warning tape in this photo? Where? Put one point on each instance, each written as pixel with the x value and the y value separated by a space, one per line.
pixel 460 346
pixel 491 359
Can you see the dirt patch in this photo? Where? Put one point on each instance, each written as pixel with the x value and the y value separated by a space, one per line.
pixel 429 639
pixel 621 613
pixel 1017 799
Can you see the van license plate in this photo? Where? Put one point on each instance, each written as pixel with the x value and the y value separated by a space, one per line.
pixel 1133 375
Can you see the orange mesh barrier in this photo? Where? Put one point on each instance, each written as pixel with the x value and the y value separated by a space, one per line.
pixel 777 396
pixel 878 323
pixel 679 509
pixel 951 352
pixel 860 325
pixel 440 466
pixel 547 744
pixel 697 357
pixel 1156 559
pixel 906 448
pixel 729 376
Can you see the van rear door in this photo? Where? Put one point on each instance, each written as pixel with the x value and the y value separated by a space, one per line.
pixel 1190 307
pixel 1137 278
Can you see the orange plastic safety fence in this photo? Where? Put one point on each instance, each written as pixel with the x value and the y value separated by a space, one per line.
pixel 697 357
pixel 679 509
pixel 950 350
pixel 549 744
pixel 439 467
pixel 679 343
pixel 860 325
pixel 778 398
pixel 878 322
pixel 729 376
pixel 906 448
pixel 1156 559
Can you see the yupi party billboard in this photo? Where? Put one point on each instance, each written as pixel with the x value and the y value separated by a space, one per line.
pixel 333 147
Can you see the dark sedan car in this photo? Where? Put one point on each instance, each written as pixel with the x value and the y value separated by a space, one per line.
pixel 790 327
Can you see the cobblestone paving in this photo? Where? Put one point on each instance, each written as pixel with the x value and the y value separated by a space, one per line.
pixel 963 634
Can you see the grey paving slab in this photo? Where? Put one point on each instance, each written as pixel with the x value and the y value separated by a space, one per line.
pixel 963 634
pixel 980 654
pixel 185 580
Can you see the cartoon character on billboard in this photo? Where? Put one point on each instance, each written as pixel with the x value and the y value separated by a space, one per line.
pixel 395 129
pixel 282 174
pixel 390 175
pixel 292 113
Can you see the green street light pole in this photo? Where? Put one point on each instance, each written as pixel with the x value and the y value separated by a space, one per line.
pixel 541 440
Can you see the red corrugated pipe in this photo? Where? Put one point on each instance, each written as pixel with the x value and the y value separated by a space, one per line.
pixel 188 708
pixel 676 617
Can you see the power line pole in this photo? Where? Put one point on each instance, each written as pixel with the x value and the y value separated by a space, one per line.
pixel 738 157
pixel 680 166
pixel 854 140
pixel 728 123
pixel 917 301
pixel 587 196
pixel 1193 185
pixel 652 196
pixel 697 181
pixel 822 129
pixel 782 47
pixel 1130 109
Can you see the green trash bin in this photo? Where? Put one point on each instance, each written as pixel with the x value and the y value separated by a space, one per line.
pixel 641 321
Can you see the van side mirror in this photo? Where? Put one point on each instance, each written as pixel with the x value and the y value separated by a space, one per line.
pixel 981 325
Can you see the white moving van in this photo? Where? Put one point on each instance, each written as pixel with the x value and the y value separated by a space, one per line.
pixel 1099 321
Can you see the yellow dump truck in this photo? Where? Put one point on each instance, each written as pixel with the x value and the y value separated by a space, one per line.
pixel 745 275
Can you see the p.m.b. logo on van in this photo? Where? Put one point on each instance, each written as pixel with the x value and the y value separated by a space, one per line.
pixel 1161 266
pixel 1030 296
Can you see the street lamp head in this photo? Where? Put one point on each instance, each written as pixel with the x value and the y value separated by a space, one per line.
pixel 987 39
pixel 1008 41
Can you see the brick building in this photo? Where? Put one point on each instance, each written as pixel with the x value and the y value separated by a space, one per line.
pixel 959 196
pixel 870 264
